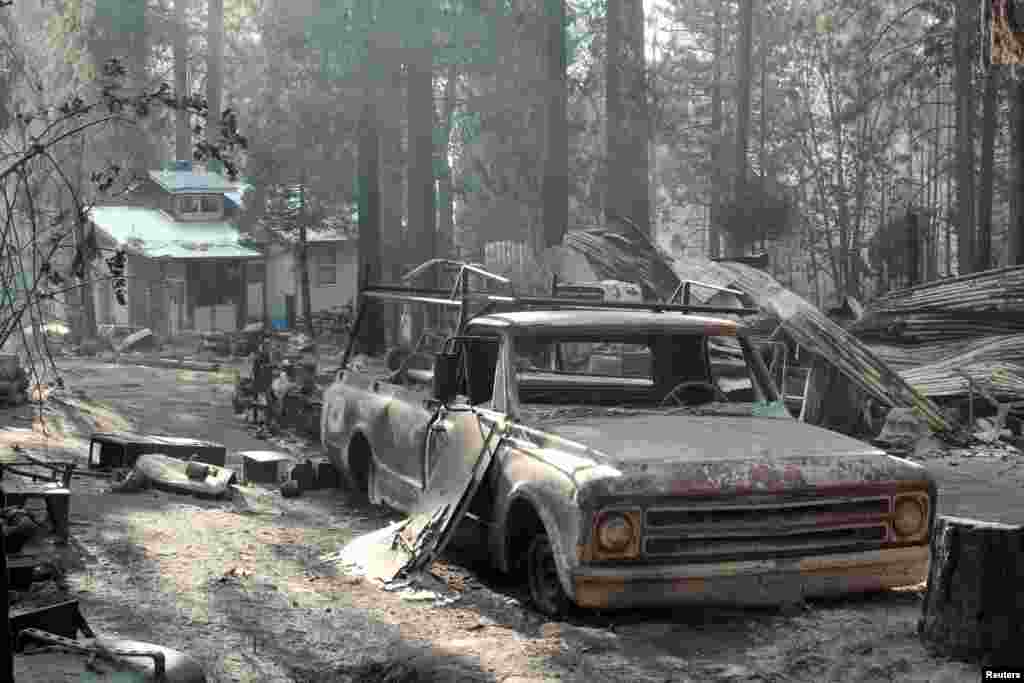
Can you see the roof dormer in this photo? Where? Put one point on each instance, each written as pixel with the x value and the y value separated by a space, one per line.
pixel 193 192
pixel 198 207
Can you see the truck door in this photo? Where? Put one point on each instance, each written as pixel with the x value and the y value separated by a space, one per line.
pixel 454 438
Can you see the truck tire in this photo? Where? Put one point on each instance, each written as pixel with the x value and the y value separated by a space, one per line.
pixel 291 489
pixel 542 578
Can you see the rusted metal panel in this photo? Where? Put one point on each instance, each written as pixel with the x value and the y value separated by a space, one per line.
pixel 452 494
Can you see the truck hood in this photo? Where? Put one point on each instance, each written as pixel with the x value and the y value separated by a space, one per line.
pixel 664 454
pixel 651 439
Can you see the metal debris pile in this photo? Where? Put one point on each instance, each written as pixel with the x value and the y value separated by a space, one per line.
pixel 393 556
pixel 812 330
pixel 952 351
pixel 960 342
pixel 939 332
pixel 611 250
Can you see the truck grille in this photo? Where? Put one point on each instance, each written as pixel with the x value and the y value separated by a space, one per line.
pixel 721 532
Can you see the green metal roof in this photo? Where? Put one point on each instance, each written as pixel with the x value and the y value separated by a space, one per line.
pixel 154 234
pixel 192 181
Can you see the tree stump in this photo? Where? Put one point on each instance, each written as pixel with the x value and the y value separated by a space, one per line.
pixel 974 606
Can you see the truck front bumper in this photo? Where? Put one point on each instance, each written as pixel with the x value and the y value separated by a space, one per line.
pixel 755 583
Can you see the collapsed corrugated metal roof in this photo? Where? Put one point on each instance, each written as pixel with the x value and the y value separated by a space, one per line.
pixel 623 252
pixel 154 234
pixel 938 332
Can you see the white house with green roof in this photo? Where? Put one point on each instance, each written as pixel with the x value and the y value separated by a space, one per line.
pixel 187 265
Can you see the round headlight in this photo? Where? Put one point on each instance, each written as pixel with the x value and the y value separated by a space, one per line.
pixel 615 532
pixel 909 519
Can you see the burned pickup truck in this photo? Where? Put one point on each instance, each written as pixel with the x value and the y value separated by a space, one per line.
pixel 637 454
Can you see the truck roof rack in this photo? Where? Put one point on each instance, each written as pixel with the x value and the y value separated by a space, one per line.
pixel 581 296
pixel 686 286
pixel 460 297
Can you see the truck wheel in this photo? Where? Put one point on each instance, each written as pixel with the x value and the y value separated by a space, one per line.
pixel 542 577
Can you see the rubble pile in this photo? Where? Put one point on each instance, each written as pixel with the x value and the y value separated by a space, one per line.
pixel 960 342
pixel 951 350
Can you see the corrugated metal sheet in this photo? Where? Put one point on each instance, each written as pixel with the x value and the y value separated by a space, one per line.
pixel 154 234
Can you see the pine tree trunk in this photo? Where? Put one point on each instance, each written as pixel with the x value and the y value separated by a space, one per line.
pixel 215 69
pixel 743 86
pixel 965 113
pixel 394 250
pixel 715 223
pixel 372 332
pixel 421 197
pixel 627 116
pixel 974 607
pixel 1016 246
pixel 948 213
pixel 183 133
pixel 555 190
pixel 983 251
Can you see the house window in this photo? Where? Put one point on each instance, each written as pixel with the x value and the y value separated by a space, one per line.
pixel 210 204
pixel 256 271
pixel 206 204
pixel 188 205
pixel 326 266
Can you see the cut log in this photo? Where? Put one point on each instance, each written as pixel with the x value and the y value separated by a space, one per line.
pixel 974 607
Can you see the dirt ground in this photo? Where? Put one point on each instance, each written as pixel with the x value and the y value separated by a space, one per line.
pixel 240 586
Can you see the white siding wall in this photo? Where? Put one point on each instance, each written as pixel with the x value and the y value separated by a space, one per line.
pixel 283 280
pixel 254 299
pixel 280 279
pixel 330 296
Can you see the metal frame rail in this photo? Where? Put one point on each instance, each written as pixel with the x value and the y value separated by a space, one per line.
pixel 460 296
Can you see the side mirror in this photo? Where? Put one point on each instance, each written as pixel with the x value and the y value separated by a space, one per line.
pixel 446 375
